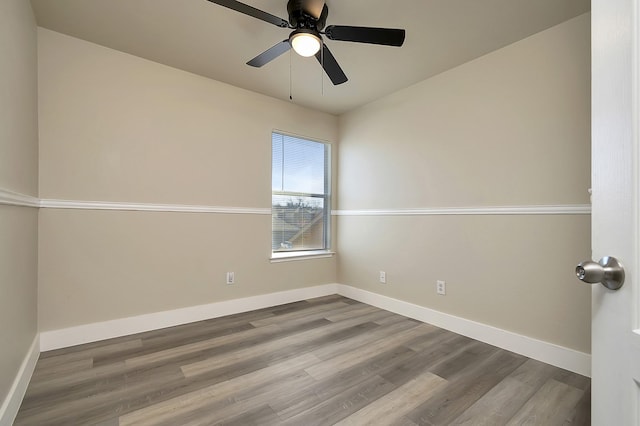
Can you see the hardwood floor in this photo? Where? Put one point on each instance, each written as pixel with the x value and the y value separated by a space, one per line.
pixel 323 361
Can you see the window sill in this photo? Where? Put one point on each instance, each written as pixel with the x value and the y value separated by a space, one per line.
pixel 300 255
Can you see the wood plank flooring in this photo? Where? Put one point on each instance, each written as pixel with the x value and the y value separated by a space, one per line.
pixel 323 361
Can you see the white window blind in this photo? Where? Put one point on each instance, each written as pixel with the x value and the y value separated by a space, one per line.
pixel 300 194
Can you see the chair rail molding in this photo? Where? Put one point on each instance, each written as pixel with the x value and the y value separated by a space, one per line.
pixel 11 198
pixel 561 209
pixel 149 207
pixel 8 197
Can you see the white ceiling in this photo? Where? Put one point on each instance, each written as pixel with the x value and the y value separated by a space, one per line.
pixel 216 42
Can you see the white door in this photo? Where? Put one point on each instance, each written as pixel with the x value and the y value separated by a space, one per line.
pixel 615 216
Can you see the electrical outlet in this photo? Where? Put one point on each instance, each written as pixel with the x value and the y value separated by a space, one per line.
pixel 441 287
pixel 383 277
pixel 231 277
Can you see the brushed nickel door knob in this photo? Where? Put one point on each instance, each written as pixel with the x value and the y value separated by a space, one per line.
pixel 608 271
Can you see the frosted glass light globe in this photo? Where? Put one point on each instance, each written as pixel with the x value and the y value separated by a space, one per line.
pixel 305 44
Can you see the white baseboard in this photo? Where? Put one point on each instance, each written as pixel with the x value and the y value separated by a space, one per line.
pixel 549 353
pixel 11 404
pixel 559 356
pixel 56 339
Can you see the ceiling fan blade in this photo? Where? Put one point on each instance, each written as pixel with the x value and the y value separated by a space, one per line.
pixel 331 66
pixel 252 11
pixel 313 7
pixel 270 54
pixel 385 36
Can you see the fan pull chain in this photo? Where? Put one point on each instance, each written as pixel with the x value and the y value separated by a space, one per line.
pixel 322 69
pixel 290 84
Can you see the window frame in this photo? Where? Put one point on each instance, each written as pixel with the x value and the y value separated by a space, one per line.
pixel 306 253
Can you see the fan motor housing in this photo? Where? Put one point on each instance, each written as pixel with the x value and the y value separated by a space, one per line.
pixel 298 18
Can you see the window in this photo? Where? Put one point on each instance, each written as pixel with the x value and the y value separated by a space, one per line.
pixel 299 194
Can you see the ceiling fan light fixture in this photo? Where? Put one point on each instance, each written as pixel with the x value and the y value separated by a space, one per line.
pixel 308 18
pixel 305 42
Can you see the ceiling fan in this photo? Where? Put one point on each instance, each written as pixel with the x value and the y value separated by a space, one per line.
pixel 307 19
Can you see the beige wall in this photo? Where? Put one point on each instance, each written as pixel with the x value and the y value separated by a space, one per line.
pixel 18 104
pixel 115 127
pixel 511 128
pixel 18 174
